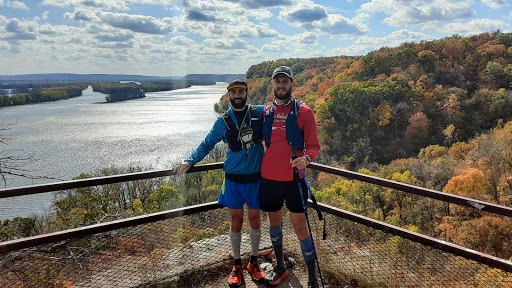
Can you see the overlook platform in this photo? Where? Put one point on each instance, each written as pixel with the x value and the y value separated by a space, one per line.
pixel 190 247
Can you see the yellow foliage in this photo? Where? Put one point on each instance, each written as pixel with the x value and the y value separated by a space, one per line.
pixel 137 207
pixel 384 111
pixel 432 151
pixel 405 177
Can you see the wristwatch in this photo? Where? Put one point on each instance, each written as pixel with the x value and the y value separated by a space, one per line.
pixel 308 159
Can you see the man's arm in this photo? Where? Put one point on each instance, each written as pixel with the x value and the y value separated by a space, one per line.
pixel 216 135
pixel 310 133
pixel 307 123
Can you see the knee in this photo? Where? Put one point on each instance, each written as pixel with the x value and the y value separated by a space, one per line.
pixel 254 221
pixel 236 223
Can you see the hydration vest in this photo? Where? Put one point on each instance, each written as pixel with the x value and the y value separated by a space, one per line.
pixel 252 120
pixel 294 135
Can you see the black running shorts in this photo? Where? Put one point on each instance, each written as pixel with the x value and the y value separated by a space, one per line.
pixel 274 193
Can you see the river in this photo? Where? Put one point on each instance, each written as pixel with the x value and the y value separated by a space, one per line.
pixel 84 134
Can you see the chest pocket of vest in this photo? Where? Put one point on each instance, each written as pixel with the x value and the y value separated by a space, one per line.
pixel 249 132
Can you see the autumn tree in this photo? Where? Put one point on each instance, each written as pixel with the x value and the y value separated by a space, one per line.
pixel 417 132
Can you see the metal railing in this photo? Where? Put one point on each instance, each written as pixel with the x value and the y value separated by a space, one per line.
pixel 145 249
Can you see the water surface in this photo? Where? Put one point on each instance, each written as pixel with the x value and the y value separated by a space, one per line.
pixel 83 135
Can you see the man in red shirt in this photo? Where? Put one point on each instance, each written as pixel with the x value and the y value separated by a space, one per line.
pixel 289 128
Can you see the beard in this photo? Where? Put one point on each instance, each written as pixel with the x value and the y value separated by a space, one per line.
pixel 238 104
pixel 287 94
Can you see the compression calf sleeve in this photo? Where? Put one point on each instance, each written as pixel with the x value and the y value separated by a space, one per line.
pixel 308 252
pixel 255 236
pixel 236 240
pixel 276 236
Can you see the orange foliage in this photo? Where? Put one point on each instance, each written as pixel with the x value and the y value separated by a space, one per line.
pixel 491 50
pixel 401 162
pixel 489 234
pixel 470 183
pixel 459 150
pixel 325 87
pixel 310 73
pixel 417 130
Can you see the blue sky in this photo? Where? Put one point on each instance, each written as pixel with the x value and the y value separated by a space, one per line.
pixel 179 37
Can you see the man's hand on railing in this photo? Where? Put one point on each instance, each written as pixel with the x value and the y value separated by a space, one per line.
pixel 182 168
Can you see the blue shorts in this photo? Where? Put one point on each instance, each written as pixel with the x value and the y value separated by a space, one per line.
pixel 234 195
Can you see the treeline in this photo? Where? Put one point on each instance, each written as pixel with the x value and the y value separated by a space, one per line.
pixel 393 102
pixel 133 90
pixel 43 95
pixel 119 91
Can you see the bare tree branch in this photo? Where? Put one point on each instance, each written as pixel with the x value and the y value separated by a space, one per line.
pixel 11 164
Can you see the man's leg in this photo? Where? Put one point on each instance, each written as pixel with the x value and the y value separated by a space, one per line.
pixel 237 220
pixel 235 235
pixel 306 243
pixel 276 236
pixel 254 218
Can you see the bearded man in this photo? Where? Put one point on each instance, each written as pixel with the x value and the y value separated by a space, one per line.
pixel 241 127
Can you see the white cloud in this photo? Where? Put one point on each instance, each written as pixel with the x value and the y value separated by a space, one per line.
pixel 116 5
pixel 45 15
pixel 250 30
pixel 14 4
pixel 232 11
pixel 495 3
pixel 273 48
pixel 302 15
pixel 315 18
pixel 338 24
pixel 256 4
pixel 16 30
pixel 82 15
pixel 182 41
pixel 430 13
pixel 227 43
pixel 404 13
pixel 135 23
pixel 17 5
pixel 366 44
pixel 308 38
pixel 473 27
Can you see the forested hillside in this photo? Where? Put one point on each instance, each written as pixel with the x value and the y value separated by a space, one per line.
pixel 433 114
pixel 393 102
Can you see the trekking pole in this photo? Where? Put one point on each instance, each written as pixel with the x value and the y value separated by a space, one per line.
pixel 315 204
pixel 294 156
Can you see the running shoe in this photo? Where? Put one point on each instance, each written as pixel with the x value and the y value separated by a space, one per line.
pixel 256 273
pixel 276 275
pixel 236 277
